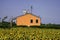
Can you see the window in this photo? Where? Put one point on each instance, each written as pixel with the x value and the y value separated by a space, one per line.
pixel 36 20
pixel 31 21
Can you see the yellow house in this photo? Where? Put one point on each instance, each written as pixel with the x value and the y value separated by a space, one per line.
pixel 28 19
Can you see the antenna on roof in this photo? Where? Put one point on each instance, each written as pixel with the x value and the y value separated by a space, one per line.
pixel 31 8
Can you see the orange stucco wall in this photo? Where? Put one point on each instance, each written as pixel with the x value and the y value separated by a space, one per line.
pixel 25 20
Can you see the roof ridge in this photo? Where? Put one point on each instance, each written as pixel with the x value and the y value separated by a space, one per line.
pixel 28 13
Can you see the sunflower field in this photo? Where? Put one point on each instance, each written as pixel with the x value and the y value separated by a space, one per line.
pixel 24 33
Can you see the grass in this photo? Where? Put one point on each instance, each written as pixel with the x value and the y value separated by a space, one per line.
pixel 25 33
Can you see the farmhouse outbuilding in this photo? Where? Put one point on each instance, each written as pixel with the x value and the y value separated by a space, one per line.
pixel 28 19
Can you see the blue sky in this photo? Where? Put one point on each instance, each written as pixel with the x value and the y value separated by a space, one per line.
pixel 48 10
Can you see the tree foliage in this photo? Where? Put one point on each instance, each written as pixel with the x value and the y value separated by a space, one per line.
pixel 7 25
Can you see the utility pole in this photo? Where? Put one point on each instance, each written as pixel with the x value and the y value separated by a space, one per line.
pixel 11 21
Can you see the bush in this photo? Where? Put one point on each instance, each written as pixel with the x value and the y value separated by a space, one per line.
pixel 55 26
pixel 7 25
